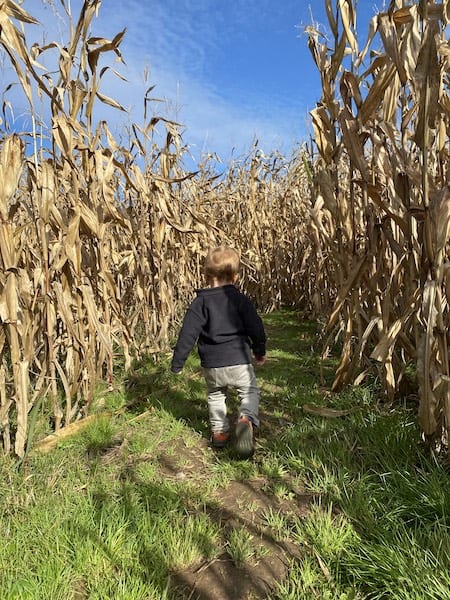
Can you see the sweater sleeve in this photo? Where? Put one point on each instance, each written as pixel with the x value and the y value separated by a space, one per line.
pixel 254 327
pixel 191 328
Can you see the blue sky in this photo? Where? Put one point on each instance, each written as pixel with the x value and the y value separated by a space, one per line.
pixel 230 71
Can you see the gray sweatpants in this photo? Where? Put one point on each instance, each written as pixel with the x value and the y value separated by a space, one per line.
pixel 240 377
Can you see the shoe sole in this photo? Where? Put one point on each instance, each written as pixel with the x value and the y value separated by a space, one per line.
pixel 219 444
pixel 244 439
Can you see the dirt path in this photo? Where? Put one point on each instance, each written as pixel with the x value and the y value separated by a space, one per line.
pixel 241 506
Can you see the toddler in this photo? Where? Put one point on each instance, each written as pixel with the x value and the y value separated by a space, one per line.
pixel 228 331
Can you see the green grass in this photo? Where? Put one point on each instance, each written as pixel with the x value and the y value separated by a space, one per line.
pixel 135 498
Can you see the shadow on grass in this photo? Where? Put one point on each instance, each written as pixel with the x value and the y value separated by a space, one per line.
pixel 182 396
pixel 181 538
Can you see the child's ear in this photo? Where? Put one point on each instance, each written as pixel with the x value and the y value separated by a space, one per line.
pixel 235 278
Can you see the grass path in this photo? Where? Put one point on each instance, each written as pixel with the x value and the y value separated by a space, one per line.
pixel 338 502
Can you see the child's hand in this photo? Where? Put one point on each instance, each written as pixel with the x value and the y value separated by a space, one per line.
pixel 260 360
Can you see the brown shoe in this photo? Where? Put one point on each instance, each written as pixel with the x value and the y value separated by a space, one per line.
pixel 219 439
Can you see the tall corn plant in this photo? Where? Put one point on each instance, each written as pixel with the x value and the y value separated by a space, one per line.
pixel 62 269
pixel 382 196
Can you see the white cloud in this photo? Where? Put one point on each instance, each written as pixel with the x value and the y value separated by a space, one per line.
pixel 175 39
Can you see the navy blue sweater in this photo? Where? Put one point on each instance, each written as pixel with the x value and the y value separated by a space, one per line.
pixel 226 327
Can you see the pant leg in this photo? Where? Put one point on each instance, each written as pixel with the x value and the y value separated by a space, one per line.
pixel 217 399
pixel 243 379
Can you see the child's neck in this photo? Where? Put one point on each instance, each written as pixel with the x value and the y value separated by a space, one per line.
pixel 214 283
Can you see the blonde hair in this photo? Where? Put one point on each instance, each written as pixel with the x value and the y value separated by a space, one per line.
pixel 222 263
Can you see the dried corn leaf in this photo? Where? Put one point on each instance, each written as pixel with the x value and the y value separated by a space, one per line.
pixel 324 135
pixel 391 43
pixel 353 142
pixel 356 272
pixel 99 330
pixel 11 155
pixel 15 11
pixel 331 18
pixel 110 101
pixel 348 17
pixel 385 347
pixel 428 401
pixel 49 442
pixel 440 219
pixel 324 411
pixel 375 96
pixel 427 79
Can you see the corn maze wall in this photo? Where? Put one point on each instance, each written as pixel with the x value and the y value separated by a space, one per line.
pixel 382 201
pixel 102 242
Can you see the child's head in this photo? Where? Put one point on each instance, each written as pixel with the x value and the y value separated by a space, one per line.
pixel 222 265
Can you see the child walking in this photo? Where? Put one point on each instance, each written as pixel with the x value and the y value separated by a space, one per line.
pixel 228 331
